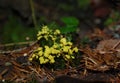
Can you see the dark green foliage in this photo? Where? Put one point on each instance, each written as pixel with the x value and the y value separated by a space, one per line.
pixel 65 7
pixel 83 3
pixel 15 31
pixel 113 18
pixel 71 24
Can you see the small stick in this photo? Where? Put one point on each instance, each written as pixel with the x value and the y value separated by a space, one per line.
pixel 116 44
pixel 17 50
pixel 19 43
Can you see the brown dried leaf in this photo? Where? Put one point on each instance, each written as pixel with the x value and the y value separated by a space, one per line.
pixel 104 57
pixel 107 45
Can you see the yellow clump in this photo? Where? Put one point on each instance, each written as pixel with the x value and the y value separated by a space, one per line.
pixel 52 61
pixel 52 37
pixel 54 50
pixel 66 48
pixel 67 56
pixel 73 57
pixel 46 54
pixel 69 43
pixel 54 47
pixel 42 60
pixel 39 48
pixel 70 51
pixel 45 30
pixel 40 53
pixel 75 49
pixel 33 55
pixel 46 61
pixel 50 57
pixel 36 57
pixel 47 50
pixel 57 32
pixel 30 59
pixel 63 41
pixel 43 33
pixel 38 38
pixel 46 37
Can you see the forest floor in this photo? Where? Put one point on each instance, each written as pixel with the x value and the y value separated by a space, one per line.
pixel 99 49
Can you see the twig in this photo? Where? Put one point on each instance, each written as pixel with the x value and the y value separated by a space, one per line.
pixel 91 60
pixel 16 50
pixel 19 43
pixel 116 44
pixel 37 72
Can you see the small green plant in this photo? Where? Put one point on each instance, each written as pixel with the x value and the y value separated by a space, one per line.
pixel 71 24
pixel 53 46
pixel 113 18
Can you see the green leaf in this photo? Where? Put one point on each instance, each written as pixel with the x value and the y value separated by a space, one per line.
pixel 68 29
pixel 70 21
pixel 83 3
pixel 108 21
pixel 71 24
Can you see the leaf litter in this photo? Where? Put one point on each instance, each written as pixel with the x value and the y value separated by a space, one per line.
pixel 100 64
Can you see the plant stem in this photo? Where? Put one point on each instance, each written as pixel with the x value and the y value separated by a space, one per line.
pixel 33 14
